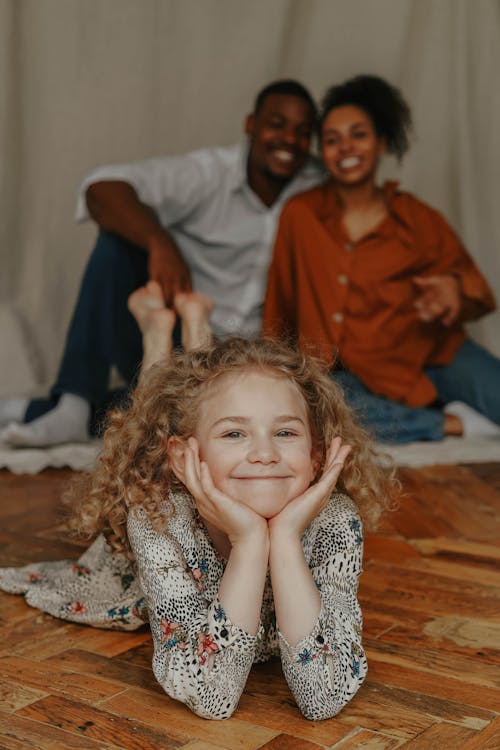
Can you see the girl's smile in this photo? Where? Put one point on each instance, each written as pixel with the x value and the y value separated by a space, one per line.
pixel 253 432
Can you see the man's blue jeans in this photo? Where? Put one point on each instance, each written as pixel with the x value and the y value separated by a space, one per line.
pixel 102 332
pixel 473 377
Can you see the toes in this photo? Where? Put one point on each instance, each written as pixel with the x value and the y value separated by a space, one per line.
pixel 154 288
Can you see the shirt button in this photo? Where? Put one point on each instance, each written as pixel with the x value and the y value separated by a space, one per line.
pixel 348 246
pixel 342 278
pixel 337 317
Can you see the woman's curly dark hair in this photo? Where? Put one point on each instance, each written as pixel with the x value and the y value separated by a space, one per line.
pixel 383 103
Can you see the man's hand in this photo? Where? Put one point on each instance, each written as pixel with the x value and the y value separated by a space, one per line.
pixel 439 298
pixel 116 207
pixel 167 266
pixel 301 511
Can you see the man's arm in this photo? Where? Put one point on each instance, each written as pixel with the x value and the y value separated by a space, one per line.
pixel 115 206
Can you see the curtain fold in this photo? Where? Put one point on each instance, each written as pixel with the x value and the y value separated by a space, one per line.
pixel 9 145
pixel 84 82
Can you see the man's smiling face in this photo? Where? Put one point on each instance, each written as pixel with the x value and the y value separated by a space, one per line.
pixel 280 136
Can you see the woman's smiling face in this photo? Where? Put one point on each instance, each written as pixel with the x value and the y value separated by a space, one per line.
pixel 350 146
pixel 253 432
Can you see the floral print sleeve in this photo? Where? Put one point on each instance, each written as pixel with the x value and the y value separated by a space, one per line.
pixel 326 668
pixel 200 657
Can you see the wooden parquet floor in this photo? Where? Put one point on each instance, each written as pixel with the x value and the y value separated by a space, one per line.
pixel 431 600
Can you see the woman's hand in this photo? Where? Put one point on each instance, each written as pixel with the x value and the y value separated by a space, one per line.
pixel 439 298
pixel 300 512
pixel 233 518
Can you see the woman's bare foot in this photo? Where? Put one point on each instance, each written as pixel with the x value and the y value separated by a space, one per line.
pixel 462 419
pixel 155 321
pixel 194 310
pixel 453 425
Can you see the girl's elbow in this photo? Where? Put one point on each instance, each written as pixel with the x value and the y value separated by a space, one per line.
pixel 326 706
pixel 320 713
pixel 208 703
pixel 217 710
pixel 209 698
pixel 216 716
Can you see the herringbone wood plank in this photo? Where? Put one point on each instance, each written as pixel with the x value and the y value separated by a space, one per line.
pixel 431 600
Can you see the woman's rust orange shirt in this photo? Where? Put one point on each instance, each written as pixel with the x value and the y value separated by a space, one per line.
pixel 355 300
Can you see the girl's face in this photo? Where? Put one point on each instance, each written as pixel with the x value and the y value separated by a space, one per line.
pixel 253 432
pixel 350 146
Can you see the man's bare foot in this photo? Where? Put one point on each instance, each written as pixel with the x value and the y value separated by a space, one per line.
pixel 155 321
pixel 194 310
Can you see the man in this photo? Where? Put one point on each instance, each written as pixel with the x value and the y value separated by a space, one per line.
pixel 205 220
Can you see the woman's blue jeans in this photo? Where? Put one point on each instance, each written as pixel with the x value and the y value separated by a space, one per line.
pixel 473 377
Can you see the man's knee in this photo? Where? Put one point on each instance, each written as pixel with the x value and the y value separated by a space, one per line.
pixel 112 252
pixel 110 246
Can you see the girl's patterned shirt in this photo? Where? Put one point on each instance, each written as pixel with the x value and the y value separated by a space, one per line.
pixel 200 657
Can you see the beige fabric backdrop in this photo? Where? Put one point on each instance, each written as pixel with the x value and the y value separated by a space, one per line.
pixel 84 82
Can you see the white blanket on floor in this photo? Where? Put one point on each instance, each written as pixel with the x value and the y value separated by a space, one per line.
pixel 80 456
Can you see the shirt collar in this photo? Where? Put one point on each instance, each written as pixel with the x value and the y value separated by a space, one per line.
pixel 239 173
pixel 239 179
pixel 398 208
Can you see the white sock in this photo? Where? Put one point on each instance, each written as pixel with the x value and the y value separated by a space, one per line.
pixel 474 424
pixel 12 410
pixel 66 423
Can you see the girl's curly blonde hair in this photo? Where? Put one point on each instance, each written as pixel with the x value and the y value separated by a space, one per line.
pixel 134 468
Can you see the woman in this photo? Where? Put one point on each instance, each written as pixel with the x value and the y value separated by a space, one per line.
pixel 371 276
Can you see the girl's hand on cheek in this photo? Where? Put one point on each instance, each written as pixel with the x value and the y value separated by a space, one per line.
pixel 302 510
pixel 231 517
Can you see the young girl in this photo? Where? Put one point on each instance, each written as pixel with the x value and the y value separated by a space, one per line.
pixel 373 277
pixel 216 489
